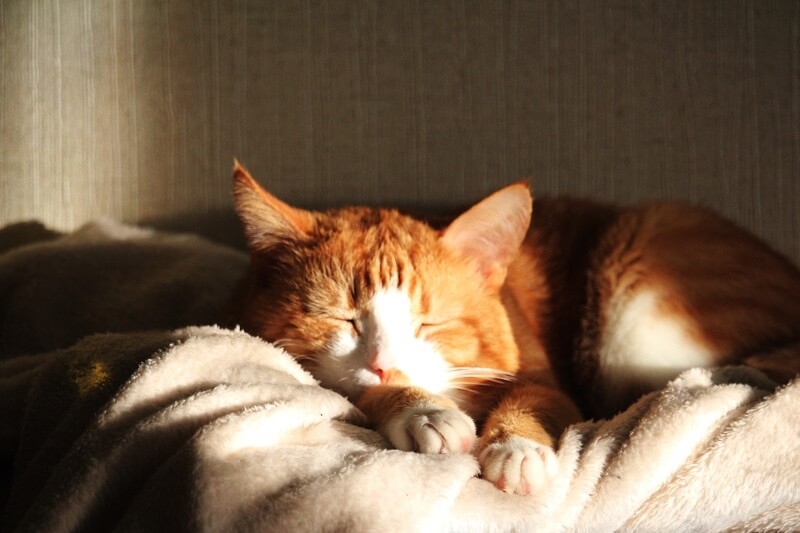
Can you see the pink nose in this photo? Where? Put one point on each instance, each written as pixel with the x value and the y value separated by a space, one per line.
pixel 379 364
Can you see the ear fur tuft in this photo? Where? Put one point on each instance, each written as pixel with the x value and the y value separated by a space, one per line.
pixel 266 219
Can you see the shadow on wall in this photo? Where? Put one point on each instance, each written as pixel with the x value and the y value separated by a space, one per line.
pixel 221 226
pixel 224 227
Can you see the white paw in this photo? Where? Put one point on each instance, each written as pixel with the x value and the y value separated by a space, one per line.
pixel 431 430
pixel 519 465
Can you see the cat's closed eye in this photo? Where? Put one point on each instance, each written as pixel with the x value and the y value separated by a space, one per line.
pixel 351 323
pixel 430 325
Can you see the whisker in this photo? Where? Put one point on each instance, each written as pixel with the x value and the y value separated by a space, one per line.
pixel 289 345
pixel 460 389
pixel 468 379
pixel 282 343
pixel 469 385
pixel 482 373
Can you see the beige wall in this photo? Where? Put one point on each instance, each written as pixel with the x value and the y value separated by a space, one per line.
pixel 135 108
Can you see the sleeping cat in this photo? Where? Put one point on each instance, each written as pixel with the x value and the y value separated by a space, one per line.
pixel 513 324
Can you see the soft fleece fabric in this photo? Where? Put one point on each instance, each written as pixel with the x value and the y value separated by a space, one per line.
pixel 210 429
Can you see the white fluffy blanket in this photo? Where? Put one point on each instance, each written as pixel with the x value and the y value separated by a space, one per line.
pixel 204 428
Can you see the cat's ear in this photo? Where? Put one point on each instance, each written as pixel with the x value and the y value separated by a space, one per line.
pixel 267 220
pixel 490 233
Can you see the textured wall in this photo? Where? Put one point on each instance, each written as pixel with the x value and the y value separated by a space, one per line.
pixel 135 108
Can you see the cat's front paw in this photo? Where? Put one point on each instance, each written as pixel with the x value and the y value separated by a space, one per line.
pixel 431 430
pixel 519 465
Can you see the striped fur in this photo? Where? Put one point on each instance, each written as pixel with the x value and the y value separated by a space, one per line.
pixel 511 322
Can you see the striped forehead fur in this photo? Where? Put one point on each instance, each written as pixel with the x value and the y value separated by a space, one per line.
pixel 369 248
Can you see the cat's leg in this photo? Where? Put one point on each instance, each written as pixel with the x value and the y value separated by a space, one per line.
pixel 413 419
pixel 517 445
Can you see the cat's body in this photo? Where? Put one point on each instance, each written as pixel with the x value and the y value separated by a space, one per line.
pixel 510 321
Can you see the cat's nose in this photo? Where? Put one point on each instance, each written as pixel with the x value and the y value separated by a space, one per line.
pixel 379 364
pixel 379 371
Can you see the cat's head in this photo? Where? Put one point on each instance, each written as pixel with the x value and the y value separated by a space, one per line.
pixel 364 296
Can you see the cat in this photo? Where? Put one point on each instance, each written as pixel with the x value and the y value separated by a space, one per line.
pixel 515 324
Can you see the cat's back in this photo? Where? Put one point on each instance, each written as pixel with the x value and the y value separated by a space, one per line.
pixel 634 295
pixel 703 265
pixel 675 286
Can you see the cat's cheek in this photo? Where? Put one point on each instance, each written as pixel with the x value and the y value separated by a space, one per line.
pixel 342 377
pixel 457 346
pixel 425 367
pixel 340 367
pixel 342 344
pixel 363 378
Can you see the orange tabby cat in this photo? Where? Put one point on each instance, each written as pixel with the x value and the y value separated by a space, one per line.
pixel 500 319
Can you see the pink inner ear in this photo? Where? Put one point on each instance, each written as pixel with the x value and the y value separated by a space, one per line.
pixel 490 233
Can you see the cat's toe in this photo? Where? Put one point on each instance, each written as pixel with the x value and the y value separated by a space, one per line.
pixel 519 465
pixel 432 430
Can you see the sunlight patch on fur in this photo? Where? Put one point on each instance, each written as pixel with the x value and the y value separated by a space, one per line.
pixel 644 345
pixel 468 376
pixel 390 330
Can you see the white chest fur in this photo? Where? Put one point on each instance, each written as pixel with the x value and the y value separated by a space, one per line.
pixel 644 346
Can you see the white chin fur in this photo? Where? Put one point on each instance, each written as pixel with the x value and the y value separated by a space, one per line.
pixel 350 382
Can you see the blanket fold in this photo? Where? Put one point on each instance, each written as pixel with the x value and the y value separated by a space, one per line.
pixel 209 429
